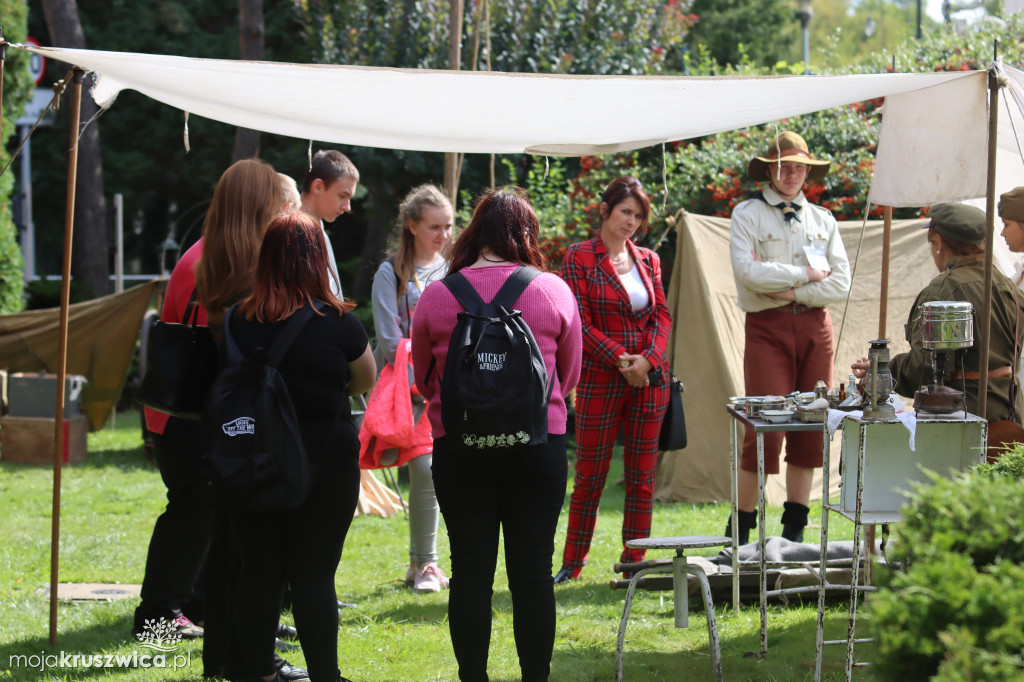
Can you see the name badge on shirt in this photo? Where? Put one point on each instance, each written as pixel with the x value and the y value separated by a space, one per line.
pixel 816 258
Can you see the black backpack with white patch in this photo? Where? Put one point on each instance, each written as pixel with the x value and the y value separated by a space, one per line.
pixel 253 455
pixel 495 388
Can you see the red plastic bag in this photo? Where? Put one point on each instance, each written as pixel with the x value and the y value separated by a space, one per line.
pixel 389 436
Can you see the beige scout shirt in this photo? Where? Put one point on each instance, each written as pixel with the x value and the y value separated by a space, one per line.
pixel 759 227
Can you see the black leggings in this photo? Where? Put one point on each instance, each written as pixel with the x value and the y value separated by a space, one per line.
pixel 518 493
pixel 315 535
pixel 181 535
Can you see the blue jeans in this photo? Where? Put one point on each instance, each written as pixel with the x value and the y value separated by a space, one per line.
pixel 519 492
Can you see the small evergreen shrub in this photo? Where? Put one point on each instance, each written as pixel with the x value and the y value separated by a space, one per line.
pixel 956 611
pixel 1010 464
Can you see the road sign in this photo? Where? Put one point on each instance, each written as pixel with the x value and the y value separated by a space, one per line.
pixel 40 100
pixel 36 62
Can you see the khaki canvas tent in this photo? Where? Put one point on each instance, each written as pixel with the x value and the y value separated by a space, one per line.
pixel 933 144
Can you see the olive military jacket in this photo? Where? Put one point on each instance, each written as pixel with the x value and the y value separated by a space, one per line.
pixel 964 280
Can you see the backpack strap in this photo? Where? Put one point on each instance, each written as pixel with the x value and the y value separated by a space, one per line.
pixel 231 349
pixel 514 286
pixel 463 291
pixel 282 342
pixel 192 309
pixel 284 339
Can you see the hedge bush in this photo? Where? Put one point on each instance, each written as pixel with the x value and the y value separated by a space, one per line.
pixel 17 92
pixel 956 610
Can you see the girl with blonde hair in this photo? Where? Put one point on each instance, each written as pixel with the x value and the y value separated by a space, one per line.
pixel 422 230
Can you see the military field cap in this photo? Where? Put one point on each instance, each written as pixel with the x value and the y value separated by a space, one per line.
pixel 1011 205
pixel 959 222
pixel 787 146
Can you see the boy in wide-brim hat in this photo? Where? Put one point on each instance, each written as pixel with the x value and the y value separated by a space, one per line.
pixel 789 263
pixel 787 147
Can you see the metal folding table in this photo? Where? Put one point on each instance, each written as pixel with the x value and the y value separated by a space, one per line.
pixel 760 427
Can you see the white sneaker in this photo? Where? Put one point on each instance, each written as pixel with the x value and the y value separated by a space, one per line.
pixel 430 579
pixel 410 575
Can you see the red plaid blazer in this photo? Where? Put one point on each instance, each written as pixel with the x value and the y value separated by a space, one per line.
pixel 610 327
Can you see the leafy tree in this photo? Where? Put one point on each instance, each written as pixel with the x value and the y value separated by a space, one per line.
pixel 844 32
pixel 17 88
pixel 250 40
pixel 733 31
pixel 166 189
pixel 558 36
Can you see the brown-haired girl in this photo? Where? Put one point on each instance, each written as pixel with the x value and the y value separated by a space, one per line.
pixel 511 490
pixel 623 382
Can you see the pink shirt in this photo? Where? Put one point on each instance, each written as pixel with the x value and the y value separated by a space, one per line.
pixel 179 290
pixel 548 306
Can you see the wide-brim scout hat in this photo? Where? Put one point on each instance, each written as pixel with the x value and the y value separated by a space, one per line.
pixel 787 146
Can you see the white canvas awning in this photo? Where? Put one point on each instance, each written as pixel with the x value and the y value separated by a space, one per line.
pixel 932 146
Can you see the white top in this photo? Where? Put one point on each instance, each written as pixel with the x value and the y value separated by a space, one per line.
pixel 634 286
pixel 758 227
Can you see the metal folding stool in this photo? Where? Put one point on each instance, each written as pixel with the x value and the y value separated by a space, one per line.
pixel 679 569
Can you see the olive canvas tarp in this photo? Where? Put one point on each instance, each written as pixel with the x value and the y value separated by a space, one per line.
pixel 102 335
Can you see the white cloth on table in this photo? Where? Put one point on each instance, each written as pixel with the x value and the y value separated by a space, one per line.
pixel 908 418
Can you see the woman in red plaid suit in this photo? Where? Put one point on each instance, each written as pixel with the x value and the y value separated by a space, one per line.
pixel 625 333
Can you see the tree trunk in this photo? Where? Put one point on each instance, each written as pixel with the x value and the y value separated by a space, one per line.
pixel 90 262
pixel 250 40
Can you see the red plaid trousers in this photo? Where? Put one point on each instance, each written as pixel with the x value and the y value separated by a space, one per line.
pixel 604 404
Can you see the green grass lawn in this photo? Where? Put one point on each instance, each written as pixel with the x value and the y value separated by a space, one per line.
pixel 109 504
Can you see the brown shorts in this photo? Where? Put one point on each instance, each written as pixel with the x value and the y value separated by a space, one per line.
pixel 786 351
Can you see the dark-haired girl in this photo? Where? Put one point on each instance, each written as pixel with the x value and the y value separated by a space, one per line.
pixel 515 491
pixel 623 381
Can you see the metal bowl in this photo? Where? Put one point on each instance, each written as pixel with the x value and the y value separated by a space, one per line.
pixel 777 416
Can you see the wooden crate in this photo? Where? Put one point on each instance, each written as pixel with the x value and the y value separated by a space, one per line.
pixel 29 440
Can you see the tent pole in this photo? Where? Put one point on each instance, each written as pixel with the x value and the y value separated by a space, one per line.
pixel 883 301
pixel 62 349
pixel 994 83
pixel 883 307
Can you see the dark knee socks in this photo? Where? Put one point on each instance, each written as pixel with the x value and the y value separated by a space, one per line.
pixel 794 520
pixel 747 522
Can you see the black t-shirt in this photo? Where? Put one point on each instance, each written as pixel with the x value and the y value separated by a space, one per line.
pixel 315 370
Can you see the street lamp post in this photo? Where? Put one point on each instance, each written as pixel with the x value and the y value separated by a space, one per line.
pixel 804 14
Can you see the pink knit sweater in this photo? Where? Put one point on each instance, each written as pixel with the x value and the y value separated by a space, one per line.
pixel 548 306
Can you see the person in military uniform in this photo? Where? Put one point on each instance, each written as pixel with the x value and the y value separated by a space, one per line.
pixel 956 237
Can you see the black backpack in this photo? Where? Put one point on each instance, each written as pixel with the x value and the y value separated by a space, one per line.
pixel 495 388
pixel 253 455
